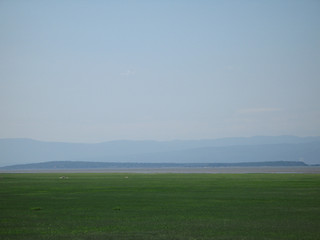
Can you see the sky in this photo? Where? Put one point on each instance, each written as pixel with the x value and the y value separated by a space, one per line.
pixel 93 71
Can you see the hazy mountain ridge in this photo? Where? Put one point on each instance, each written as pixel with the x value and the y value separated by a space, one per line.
pixel 226 150
pixel 113 165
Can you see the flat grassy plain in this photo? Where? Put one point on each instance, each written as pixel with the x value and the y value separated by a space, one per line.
pixel 159 206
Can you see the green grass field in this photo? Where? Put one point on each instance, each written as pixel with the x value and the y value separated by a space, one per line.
pixel 160 206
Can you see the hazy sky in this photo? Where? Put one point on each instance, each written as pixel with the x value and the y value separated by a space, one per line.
pixel 91 71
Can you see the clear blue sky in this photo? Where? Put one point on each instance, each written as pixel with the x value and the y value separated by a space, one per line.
pixel 91 71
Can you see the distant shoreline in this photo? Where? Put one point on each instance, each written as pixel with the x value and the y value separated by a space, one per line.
pixel 213 170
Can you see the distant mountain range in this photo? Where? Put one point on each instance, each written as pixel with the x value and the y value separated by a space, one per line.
pixel 117 165
pixel 213 151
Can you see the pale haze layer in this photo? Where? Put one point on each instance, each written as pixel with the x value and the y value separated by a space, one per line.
pixel 91 71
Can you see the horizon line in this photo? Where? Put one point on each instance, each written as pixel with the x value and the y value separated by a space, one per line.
pixel 153 140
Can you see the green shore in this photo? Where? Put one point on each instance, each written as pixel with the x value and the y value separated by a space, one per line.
pixel 159 206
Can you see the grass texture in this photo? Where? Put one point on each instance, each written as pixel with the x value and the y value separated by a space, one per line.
pixel 159 206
